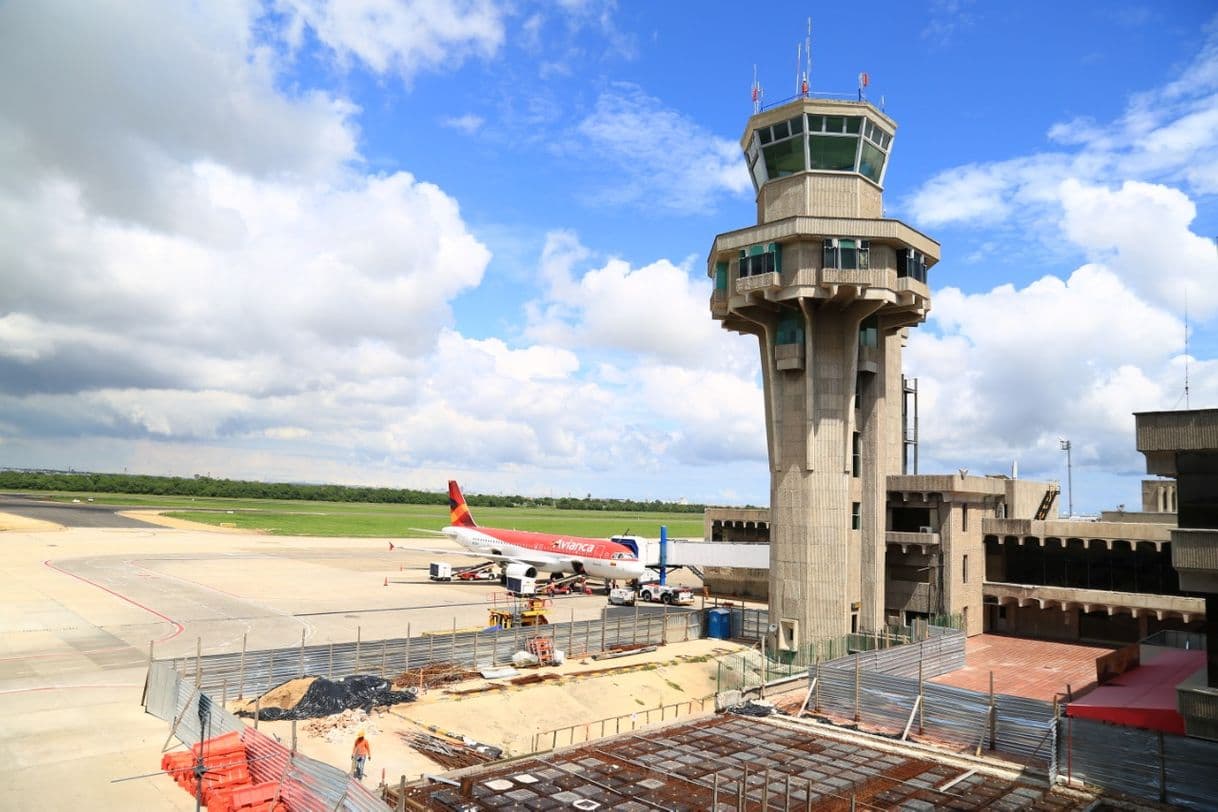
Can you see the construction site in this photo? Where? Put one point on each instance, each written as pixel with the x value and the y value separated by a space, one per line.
pixel 837 651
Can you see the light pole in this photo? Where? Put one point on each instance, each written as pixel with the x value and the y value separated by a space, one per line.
pixel 1065 444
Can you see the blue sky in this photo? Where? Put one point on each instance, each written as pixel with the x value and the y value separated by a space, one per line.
pixel 389 243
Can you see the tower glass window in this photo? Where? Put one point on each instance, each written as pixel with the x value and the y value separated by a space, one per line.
pixel 761 259
pixel 847 255
pixel 783 148
pixel 911 263
pixel 822 143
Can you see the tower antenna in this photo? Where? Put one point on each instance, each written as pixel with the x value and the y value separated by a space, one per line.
pixel 757 93
pixel 1186 405
pixel 808 58
pixel 799 61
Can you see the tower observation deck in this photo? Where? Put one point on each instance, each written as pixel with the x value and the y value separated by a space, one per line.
pixel 830 287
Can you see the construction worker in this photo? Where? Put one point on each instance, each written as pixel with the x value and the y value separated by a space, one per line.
pixel 360 755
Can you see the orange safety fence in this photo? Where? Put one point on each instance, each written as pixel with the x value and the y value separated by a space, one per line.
pixel 227 785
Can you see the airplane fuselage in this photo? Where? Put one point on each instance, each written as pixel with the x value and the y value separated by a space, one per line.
pixel 547 552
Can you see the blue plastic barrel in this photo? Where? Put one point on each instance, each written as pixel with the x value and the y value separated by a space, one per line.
pixel 719 624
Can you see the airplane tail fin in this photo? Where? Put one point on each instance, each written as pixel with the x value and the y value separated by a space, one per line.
pixel 458 511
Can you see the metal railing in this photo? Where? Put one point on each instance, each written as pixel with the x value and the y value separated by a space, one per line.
pixel 615 725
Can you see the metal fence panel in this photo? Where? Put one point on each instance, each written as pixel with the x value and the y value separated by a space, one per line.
pixel 1192 771
pixel 258 671
pixel 1145 763
pixel 161 690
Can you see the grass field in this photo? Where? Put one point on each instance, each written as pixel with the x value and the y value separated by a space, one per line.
pixel 298 518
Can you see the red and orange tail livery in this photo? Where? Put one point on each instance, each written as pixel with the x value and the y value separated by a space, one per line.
pixel 458 511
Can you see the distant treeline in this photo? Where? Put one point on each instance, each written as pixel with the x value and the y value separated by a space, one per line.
pixel 242 489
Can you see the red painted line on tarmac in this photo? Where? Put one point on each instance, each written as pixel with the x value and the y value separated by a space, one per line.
pixel 178 627
pixel 66 688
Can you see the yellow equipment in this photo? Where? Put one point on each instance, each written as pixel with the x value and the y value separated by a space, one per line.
pixel 527 612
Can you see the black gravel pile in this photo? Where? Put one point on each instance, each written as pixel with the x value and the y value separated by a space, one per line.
pixel 327 697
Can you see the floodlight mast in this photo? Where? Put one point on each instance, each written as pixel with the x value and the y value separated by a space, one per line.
pixel 1065 445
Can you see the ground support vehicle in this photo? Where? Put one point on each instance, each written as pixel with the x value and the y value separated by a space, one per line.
pixel 443 571
pixel 621 596
pixel 666 593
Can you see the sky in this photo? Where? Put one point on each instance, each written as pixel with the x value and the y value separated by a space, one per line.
pixel 390 243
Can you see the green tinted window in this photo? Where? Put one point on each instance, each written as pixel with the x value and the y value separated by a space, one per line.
pixel 834 124
pixel 852 124
pixel 836 154
pixel 784 158
pixel 720 276
pixel 816 124
pixel 790 331
pixel 871 162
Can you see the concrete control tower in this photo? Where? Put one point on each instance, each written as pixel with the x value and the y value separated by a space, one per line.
pixel 829 286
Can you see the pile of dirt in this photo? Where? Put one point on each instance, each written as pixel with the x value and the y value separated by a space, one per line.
pixel 323 697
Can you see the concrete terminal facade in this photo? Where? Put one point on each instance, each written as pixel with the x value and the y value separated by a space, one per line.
pixel 828 286
pixel 1184 445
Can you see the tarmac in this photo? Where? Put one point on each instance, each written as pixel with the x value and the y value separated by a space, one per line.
pixel 84 600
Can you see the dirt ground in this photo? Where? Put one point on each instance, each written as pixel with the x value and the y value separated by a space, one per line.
pixel 509 717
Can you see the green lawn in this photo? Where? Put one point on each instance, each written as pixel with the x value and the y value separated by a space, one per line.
pixel 299 518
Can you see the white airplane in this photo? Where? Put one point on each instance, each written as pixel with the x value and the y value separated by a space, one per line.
pixel 525 553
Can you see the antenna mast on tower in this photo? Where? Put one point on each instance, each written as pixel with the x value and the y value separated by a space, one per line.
pixel 757 93
pixel 808 57
pixel 1186 347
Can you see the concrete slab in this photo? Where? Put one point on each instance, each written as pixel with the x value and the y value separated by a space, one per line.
pixel 1036 669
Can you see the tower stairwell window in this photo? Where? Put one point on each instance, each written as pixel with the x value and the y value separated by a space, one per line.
pixel 790 330
pixel 869 332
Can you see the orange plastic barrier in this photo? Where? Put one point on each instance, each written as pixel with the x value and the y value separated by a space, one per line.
pixel 227 784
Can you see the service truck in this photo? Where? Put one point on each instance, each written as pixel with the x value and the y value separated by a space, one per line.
pixel 665 593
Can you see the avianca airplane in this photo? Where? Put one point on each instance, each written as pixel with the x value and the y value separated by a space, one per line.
pixel 524 553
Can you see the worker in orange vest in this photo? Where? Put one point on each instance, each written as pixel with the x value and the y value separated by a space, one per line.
pixel 360 755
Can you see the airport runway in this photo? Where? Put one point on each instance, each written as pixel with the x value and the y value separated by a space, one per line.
pixel 67 513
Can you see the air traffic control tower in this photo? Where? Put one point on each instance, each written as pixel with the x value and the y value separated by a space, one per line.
pixel 829 286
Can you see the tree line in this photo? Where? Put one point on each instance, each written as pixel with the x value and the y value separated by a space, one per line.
pixel 246 489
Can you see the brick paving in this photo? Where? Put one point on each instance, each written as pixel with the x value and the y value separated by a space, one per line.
pixel 1036 669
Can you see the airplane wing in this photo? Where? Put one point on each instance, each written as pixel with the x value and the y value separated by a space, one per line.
pixel 488 556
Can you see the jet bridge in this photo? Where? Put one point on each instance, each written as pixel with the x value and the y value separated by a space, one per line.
pixel 699 554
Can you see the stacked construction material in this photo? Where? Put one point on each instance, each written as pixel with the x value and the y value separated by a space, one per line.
pixel 226 781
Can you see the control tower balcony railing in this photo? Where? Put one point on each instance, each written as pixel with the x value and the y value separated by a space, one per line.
pixel 718 304
pixel 925 541
pixel 761 281
pixel 814 228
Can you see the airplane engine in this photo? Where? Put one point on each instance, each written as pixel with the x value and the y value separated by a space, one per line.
pixel 520 571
